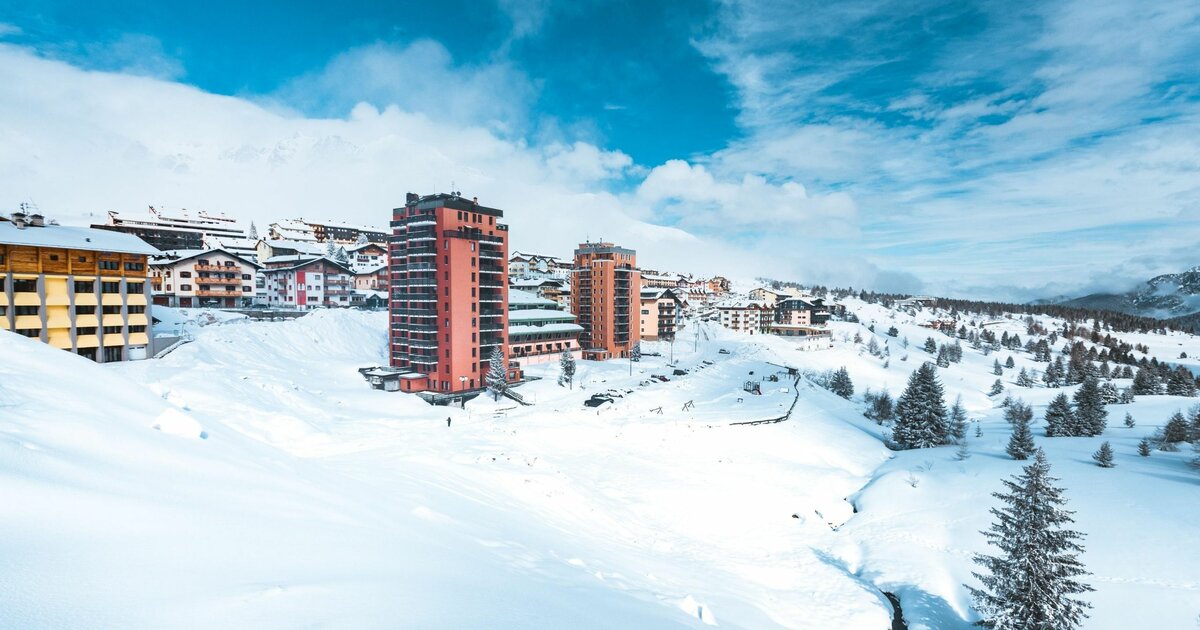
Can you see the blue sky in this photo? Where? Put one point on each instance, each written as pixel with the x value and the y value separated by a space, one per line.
pixel 1001 149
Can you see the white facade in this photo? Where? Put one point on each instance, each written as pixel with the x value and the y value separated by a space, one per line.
pixel 320 283
pixel 202 278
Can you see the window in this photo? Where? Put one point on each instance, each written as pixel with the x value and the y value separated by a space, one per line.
pixel 245 276
pixel 25 310
pixel 109 265
pixel 137 329
pixel 112 353
pixel 25 286
pixel 185 274
pixel 30 332
pixel 3 311
pixel 85 310
pixel 134 287
pixel 111 310
pixel 83 259
pixel 185 287
pixel 135 266
pixel 112 330
pixel 136 308
pixel 110 287
pixel 86 330
pixel 53 257
pixel 85 286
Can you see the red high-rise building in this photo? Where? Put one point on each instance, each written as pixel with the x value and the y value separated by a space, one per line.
pixel 605 299
pixel 449 292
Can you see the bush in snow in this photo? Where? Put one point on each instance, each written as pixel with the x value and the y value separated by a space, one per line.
pixel 1104 456
pixel 1144 448
pixel 1034 581
pixel 1129 420
pixel 892 332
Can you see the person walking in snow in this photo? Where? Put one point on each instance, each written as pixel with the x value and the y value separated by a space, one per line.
pixel 447 422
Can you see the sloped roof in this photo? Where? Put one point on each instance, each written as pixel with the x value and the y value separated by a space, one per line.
pixel 72 237
pixel 177 255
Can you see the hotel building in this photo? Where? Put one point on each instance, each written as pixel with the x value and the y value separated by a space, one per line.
pixel 605 298
pixel 449 292
pixel 539 330
pixel 211 277
pixel 75 288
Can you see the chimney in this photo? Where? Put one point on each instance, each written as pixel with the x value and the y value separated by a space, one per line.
pixel 475 200
pixel 411 198
pixel 37 220
pixel 20 219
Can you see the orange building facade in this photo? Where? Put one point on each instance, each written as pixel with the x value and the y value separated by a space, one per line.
pixel 606 300
pixel 449 293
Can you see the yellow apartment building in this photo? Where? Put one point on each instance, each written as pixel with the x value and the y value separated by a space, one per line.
pixel 75 288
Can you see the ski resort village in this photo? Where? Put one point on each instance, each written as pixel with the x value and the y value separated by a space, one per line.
pixel 325 425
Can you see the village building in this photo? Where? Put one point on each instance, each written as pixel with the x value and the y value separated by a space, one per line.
pixel 174 229
pixel 660 312
pixel 549 288
pixel 746 316
pixel 805 337
pixel 366 255
pixel 209 277
pixel 322 231
pixel 524 265
pixel 767 296
pixel 307 283
pixel 79 289
pixel 539 330
pixel 798 311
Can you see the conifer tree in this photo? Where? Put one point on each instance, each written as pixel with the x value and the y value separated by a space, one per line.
pixel 1104 456
pixel 881 407
pixel 1023 378
pixel 958 420
pixel 566 364
pixel 1181 383
pixel 921 411
pixel 1010 363
pixel 497 376
pixel 1144 448
pixel 330 249
pixel 1060 418
pixel 253 234
pixel 1176 429
pixel 930 345
pixel 997 388
pixel 892 332
pixel 1020 443
pixel 997 369
pixel 962 453
pixel 943 357
pixel 362 239
pixel 1129 420
pixel 1145 382
pixel 1034 581
pixel 840 384
pixel 1089 408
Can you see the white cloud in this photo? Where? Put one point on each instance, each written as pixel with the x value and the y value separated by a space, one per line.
pixel 8 30
pixel 80 143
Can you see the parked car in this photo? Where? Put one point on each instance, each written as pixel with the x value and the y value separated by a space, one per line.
pixel 679 372
pixel 722 351
pixel 596 400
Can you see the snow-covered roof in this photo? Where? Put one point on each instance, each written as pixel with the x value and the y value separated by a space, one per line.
pixel 356 247
pixel 536 282
pixel 300 246
pixel 548 328
pixel 170 257
pixel 525 298
pixel 539 314
pixel 291 258
pixel 306 261
pixel 373 269
pixel 72 237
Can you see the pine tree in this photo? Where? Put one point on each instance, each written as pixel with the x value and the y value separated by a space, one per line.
pixel 1023 379
pixel 1010 363
pixel 1144 448
pixel 978 429
pixel 1104 456
pixel 497 376
pixel 840 384
pixel 958 420
pixel 1020 443
pixel 1033 582
pixel 997 388
pixel 1181 383
pixel 330 249
pixel 962 453
pixel 253 234
pixel 1129 420
pixel 566 363
pixel 1060 418
pixel 921 411
pixel 930 345
pixel 341 256
pixel 997 369
pixel 943 357
pixel 1145 383
pixel 635 353
pixel 1089 408
pixel 362 239
pixel 892 332
pixel 1176 429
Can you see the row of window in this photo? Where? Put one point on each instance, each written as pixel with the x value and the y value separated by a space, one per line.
pixel 84 330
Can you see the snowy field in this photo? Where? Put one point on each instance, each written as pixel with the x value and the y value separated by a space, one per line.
pixel 252 479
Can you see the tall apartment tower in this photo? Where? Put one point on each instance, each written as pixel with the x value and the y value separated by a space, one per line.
pixel 605 299
pixel 449 297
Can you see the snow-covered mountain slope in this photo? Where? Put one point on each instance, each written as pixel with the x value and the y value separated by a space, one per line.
pixel 1165 296
pixel 314 500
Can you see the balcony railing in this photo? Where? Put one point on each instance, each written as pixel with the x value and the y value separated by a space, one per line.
pixel 208 293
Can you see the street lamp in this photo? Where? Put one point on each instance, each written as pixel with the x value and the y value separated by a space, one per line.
pixel 462 383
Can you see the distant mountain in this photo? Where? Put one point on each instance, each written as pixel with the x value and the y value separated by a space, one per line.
pixel 1172 295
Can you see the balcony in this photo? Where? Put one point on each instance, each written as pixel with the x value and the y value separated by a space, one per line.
pixel 237 280
pixel 210 293
pixel 221 268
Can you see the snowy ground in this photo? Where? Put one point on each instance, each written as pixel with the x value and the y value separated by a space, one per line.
pixel 313 500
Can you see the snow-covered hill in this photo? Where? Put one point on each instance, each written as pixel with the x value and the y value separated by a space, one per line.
pixel 1164 296
pixel 252 479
